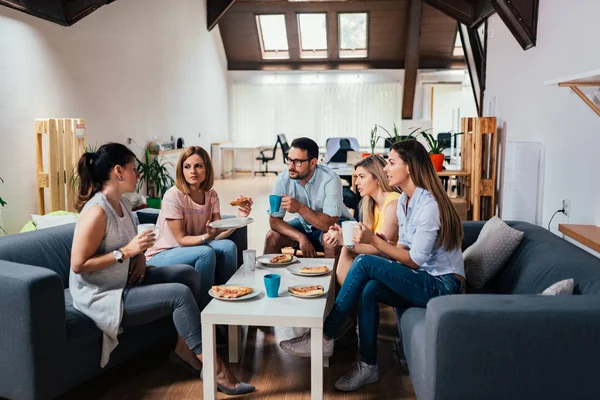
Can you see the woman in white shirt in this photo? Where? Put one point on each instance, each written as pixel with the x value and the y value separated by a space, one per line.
pixel 426 263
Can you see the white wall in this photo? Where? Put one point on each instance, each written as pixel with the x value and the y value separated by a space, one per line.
pixel 530 111
pixel 138 68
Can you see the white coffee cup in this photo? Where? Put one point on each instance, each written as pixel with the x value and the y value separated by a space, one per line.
pixel 249 259
pixel 145 227
pixel 348 232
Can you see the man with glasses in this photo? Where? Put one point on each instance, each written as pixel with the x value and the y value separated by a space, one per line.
pixel 313 193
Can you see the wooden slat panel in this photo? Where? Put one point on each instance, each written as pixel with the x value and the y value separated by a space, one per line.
pixel 61 164
pixel 53 164
pixel 69 164
pixel 40 166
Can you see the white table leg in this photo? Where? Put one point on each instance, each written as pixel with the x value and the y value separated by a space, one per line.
pixel 235 344
pixel 209 360
pixel 316 364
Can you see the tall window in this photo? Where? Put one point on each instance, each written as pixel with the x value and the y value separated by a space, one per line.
pixel 312 30
pixel 353 28
pixel 272 36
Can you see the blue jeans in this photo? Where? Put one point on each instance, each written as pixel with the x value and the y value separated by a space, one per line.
pixel 215 261
pixel 373 280
pixel 315 236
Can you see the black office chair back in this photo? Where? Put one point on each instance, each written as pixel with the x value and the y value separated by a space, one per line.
pixel 444 139
pixel 341 156
pixel 285 147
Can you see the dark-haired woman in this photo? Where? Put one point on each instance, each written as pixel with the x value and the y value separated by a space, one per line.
pixel 426 263
pixel 109 280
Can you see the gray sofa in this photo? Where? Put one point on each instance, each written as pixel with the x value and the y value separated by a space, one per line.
pixel 507 342
pixel 46 346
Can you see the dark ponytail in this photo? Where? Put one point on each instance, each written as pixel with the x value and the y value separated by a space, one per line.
pixel 94 169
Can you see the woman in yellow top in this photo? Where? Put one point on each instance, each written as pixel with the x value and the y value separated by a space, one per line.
pixel 378 211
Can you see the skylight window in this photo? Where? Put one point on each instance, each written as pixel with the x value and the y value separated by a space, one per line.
pixel 312 30
pixel 273 36
pixel 353 35
pixel 458 49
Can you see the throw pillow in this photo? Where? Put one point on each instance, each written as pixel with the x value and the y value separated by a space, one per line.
pixel 488 255
pixel 48 221
pixel 561 288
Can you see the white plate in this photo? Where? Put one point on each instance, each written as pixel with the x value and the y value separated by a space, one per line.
pixel 266 259
pixel 231 223
pixel 255 292
pixel 295 269
pixel 304 297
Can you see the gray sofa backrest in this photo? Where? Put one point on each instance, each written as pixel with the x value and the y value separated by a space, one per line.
pixel 541 259
pixel 48 248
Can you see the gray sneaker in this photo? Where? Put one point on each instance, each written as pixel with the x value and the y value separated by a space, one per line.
pixel 300 346
pixel 360 375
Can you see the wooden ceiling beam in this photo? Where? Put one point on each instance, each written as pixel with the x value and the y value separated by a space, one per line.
pixel 57 11
pixel 215 10
pixel 338 65
pixel 460 10
pixel 482 10
pixel 411 59
pixel 520 16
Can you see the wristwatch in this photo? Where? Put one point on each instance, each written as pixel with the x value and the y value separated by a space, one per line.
pixel 118 255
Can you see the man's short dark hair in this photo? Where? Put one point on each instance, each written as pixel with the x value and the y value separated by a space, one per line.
pixel 308 145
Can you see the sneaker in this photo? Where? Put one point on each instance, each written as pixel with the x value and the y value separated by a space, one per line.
pixel 360 375
pixel 300 346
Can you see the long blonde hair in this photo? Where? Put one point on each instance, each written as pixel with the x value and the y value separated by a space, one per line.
pixel 374 165
pixel 424 176
pixel 209 180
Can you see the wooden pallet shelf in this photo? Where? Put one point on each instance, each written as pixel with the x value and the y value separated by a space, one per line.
pixel 65 144
pixel 478 159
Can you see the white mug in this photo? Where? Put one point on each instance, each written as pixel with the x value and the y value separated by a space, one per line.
pixel 347 232
pixel 249 259
pixel 145 227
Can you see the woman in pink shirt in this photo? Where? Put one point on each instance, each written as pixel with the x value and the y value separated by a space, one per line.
pixel 186 211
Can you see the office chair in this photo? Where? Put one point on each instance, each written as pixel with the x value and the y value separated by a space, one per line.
pixel 264 158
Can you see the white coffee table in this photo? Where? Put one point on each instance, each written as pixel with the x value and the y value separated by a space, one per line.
pixel 285 310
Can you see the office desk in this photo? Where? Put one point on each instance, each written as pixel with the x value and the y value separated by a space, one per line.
pixel 223 156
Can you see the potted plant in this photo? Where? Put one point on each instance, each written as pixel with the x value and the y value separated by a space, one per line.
pixel 396 137
pixel 155 176
pixel 373 139
pixel 436 149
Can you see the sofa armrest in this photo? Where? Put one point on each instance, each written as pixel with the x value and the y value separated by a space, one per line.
pixel 32 328
pixel 512 346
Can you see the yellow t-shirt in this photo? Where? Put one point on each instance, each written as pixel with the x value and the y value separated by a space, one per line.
pixel 378 220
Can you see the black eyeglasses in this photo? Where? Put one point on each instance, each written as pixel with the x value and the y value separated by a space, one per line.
pixel 297 163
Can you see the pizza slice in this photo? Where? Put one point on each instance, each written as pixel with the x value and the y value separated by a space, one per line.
pixel 241 201
pixel 316 290
pixel 231 292
pixel 281 259
pixel 314 270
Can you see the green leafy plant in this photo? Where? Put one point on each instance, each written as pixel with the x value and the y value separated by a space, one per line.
pixel 2 202
pixel 154 175
pixel 435 147
pixel 396 137
pixel 374 139
pixel 73 175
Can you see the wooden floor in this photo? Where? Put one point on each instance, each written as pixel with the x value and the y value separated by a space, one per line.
pixel 275 374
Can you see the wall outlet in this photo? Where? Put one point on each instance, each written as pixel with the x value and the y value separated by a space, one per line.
pixel 129 140
pixel 566 204
pixel 199 135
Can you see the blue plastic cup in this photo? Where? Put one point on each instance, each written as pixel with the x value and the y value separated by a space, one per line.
pixel 272 282
pixel 275 202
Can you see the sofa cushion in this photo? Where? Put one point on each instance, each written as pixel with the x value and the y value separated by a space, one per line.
pixel 588 286
pixel 48 248
pixel 412 325
pixel 81 330
pixel 560 288
pixel 543 259
pixel 494 246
